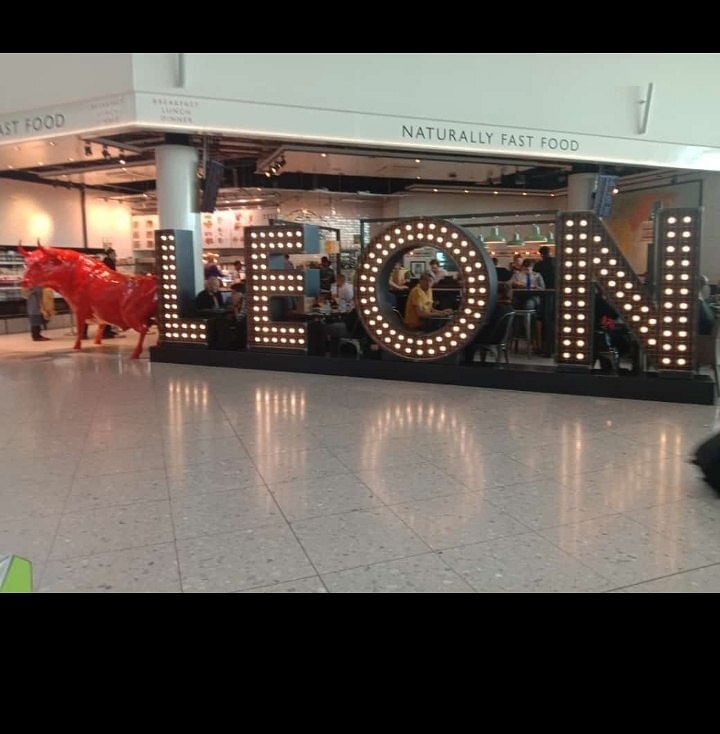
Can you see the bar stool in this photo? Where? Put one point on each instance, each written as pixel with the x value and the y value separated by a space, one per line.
pixel 525 317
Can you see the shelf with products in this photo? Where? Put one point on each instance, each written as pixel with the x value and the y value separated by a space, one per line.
pixel 12 267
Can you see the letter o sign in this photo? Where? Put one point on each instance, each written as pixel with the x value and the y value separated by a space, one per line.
pixel 476 278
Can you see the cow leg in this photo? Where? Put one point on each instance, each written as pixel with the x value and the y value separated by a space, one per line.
pixel 99 332
pixel 138 349
pixel 80 319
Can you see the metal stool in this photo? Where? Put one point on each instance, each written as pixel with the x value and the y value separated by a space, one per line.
pixel 525 316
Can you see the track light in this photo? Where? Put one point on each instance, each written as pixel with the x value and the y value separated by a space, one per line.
pixel 105 152
pixel 122 158
pixel 88 149
pixel 274 168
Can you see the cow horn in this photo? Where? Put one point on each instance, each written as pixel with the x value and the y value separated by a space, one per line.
pixel 22 250
pixel 39 246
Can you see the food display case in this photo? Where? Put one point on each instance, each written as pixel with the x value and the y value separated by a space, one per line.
pixel 12 303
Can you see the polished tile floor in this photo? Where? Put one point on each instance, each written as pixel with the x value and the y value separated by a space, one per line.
pixel 127 476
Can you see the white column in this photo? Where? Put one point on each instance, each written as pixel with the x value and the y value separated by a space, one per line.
pixel 579 191
pixel 177 196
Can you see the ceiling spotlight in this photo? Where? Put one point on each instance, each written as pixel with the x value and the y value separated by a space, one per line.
pixel 52 144
pixel 122 158
pixel 323 155
pixel 616 190
pixel 105 152
pixel 88 149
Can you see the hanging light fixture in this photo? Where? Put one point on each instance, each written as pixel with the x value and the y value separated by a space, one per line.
pixel 496 237
pixel 537 237
pixel 517 240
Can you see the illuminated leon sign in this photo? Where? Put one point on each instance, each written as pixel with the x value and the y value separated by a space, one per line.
pixel 477 288
pixel 273 290
pixel 664 324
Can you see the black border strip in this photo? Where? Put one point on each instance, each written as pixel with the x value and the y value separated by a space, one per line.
pixel 698 390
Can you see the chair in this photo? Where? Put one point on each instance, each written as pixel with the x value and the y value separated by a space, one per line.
pixel 500 339
pixel 525 317
pixel 349 342
pixel 603 350
pixel 708 352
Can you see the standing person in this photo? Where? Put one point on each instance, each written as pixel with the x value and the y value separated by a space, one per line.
pixel 110 259
pixel 342 292
pixel 288 263
pixel 34 311
pixel 212 270
pixel 47 306
pixel 527 279
pixel 327 274
pixel 436 272
pixel 546 267
pixel 238 274
pixel 396 283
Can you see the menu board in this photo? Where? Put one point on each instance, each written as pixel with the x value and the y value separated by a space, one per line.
pixel 220 229
pixel 226 228
pixel 143 231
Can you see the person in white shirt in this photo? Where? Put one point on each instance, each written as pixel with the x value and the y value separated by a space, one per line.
pixel 527 278
pixel 342 293
pixel 436 272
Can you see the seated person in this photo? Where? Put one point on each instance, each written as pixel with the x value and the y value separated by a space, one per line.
pixel 436 272
pixel 229 331
pixel 503 274
pixel 488 334
pixel 612 333
pixel 342 293
pixel 210 299
pixel 349 328
pixel 419 307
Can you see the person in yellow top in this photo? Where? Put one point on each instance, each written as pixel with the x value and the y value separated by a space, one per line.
pixel 419 305
pixel 47 307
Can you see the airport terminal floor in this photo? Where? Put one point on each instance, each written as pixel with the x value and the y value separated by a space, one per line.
pixel 123 476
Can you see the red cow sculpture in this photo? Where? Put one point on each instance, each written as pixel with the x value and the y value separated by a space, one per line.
pixel 94 290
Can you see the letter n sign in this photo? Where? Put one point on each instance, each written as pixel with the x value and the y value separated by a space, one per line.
pixel 664 323
pixel 273 290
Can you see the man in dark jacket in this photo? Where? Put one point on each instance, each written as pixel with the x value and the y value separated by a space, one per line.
pixel 546 267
